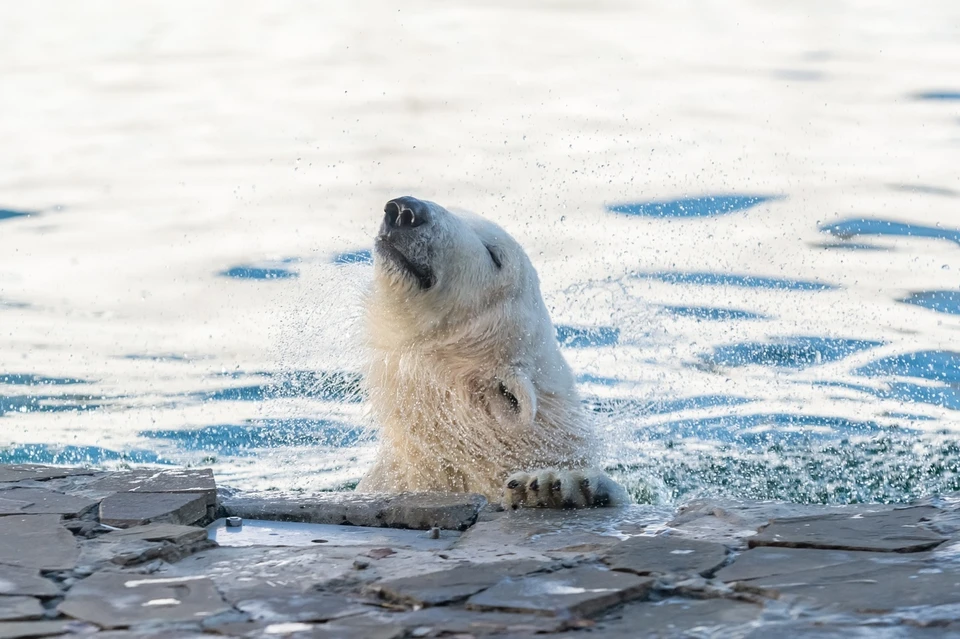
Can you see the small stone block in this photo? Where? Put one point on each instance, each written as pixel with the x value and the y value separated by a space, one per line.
pixel 135 509
pixel 113 600
pixel 33 629
pixel 574 592
pixel 770 561
pixel 21 472
pixel 455 584
pixel 38 501
pixel 186 480
pixel 37 542
pixel 663 554
pixel 20 609
pixel 17 580
pixel 273 605
pixel 891 531
pixel 160 532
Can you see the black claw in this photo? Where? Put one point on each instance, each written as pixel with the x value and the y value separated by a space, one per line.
pixel 555 486
pixel 535 485
pixel 513 484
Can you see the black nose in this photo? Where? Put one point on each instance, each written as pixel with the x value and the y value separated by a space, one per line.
pixel 405 213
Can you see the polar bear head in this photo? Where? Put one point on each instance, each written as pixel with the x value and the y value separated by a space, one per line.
pixel 456 304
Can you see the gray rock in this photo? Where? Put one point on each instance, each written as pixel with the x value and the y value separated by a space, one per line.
pixel 20 608
pixel 134 509
pixel 765 561
pixel 664 554
pixel 677 617
pixel 447 620
pixel 198 481
pixel 114 600
pixel 278 605
pixel 23 472
pixel 570 593
pixel 891 531
pixel 17 580
pixel 421 511
pixel 455 584
pixel 291 533
pixel 876 585
pixel 37 501
pixel 37 541
pixel 30 629
pixel 173 533
pixel 350 628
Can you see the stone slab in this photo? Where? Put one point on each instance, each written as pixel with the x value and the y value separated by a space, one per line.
pixel 678 618
pixel 114 600
pixel 20 608
pixel 871 585
pixel 124 510
pixel 891 531
pixel 178 480
pixel 566 593
pixel 17 580
pixel 420 511
pixel 37 541
pixel 278 605
pixel 32 629
pixel 455 584
pixel 665 554
pixel 349 628
pixel 174 533
pixel 446 620
pixel 771 561
pixel 24 472
pixel 38 501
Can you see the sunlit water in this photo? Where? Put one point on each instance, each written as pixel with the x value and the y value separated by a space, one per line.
pixel 747 225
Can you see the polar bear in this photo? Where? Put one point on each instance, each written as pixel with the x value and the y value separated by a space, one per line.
pixel 466 380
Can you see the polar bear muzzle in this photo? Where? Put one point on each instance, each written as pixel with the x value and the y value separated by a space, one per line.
pixel 400 242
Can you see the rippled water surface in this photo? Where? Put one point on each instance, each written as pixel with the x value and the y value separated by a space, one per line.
pixel 747 227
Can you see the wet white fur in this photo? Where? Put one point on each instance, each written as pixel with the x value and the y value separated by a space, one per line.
pixel 437 358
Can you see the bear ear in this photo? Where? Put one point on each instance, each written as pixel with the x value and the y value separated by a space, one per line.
pixel 513 399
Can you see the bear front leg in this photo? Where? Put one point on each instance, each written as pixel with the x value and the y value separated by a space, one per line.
pixel 552 488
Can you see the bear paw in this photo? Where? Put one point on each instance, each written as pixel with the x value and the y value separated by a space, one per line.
pixel 552 488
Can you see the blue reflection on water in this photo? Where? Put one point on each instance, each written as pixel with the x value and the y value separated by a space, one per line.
pixel 938 95
pixel 938 366
pixel 584 337
pixel 245 439
pixel 9 214
pixel 712 313
pixel 940 301
pixel 268 270
pixel 703 206
pixel 354 257
pixel 850 246
pixel 331 386
pixel 47 403
pixel 74 455
pixel 29 379
pixel 662 407
pixel 706 278
pixel 787 352
pixel 763 428
pixel 874 226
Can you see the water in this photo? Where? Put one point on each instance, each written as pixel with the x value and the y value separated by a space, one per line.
pixel 747 227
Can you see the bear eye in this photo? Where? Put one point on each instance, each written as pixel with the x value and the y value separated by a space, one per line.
pixel 493 256
pixel 510 397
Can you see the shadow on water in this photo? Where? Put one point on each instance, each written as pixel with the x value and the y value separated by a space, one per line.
pixel 940 301
pixel 74 455
pixel 331 386
pixel 5 303
pixel 29 379
pixel 848 246
pixel 354 257
pixel 873 226
pixel 239 440
pixel 713 314
pixel 942 368
pixel 271 270
pixel 585 337
pixel 638 408
pixel 703 206
pixel 787 352
pixel 706 278
pixel 11 404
